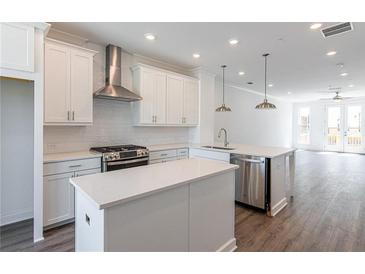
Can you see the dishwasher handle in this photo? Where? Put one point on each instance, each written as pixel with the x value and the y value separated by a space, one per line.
pixel 250 160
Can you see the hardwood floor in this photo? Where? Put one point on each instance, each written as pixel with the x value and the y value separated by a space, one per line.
pixel 327 214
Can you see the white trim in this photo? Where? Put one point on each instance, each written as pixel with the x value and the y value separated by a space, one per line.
pixel 50 40
pixel 229 246
pixel 142 65
pixel 165 64
pixel 278 207
pixel 21 215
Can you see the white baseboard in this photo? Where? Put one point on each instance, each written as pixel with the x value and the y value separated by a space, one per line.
pixel 278 207
pixel 16 217
pixel 38 240
pixel 229 246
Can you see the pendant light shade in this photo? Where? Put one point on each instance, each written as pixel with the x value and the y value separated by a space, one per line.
pixel 223 107
pixel 265 104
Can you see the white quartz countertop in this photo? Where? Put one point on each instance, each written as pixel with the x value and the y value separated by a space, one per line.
pixel 167 146
pixel 115 187
pixel 68 156
pixel 261 151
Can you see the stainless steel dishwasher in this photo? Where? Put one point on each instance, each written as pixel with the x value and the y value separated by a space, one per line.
pixel 251 180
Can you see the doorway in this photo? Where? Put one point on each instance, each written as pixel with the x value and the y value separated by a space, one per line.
pixel 343 130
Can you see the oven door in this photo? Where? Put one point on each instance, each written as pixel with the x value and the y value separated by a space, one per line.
pixel 122 164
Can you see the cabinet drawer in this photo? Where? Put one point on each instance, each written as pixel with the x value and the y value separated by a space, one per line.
pixel 162 154
pixel 183 152
pixel 70 166
pixel 163 160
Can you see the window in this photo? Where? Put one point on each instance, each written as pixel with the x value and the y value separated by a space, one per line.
pixel 303 126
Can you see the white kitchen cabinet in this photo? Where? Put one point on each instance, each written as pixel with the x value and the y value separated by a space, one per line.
pixel 175 97
pixel 151 85
pixel 169 99
pixel 58 198
pixel 68 98
pixel 163 156
pixel 191 102
pixel 17 46
pixel 58 193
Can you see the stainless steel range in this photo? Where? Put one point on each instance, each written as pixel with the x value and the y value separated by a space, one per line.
pixel 123 156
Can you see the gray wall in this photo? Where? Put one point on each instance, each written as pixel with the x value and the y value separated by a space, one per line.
pixel 17 144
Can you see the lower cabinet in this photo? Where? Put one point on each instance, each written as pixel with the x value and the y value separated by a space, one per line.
pixel 58 193
pixel 58 198
pixel 163 156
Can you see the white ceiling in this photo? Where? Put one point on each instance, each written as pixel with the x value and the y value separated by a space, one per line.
pixel 298 62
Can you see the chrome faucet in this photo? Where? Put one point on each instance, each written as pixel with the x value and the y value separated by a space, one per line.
pixel 225 136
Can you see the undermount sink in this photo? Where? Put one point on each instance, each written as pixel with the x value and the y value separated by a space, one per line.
pixel 214 147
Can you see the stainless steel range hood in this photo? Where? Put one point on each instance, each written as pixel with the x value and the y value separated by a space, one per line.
pixel 113 89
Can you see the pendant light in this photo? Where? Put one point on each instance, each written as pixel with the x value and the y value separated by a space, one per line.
pixel 223 107
pixel 265 104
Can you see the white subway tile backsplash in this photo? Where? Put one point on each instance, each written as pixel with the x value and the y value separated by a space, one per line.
pixel 113 125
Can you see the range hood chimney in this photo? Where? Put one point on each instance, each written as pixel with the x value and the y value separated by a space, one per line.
pixel 113 89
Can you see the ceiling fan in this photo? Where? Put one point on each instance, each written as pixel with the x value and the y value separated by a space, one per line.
pixel 337 96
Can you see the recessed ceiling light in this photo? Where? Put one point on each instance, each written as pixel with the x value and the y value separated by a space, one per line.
pixel 316 26
pixel 150 36
pixel 351 86
pixel 330 53
pixel 196 55
pixel 270 85
pixel 233 42
pixel 289 92
pixel 344 74
pixel 241 73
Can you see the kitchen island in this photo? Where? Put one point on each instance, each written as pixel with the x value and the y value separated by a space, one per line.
pixel 280 169
pixel 185 205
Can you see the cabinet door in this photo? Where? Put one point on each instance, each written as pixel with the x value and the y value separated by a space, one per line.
pixel 57 84
pixel 58 197
pixel 160 98
pixel 17 46
pixel 148 94
pixel 174 105
pixel 191 102
pixel 81 87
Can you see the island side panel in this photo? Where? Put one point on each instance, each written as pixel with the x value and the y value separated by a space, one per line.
pixel 212 214
pixel 89 224
pixel 277 185
pixel 154 223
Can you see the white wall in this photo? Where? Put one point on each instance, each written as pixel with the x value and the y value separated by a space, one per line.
pixel 17 150
pixel 112 119
pixel 204 133
pixel 247 125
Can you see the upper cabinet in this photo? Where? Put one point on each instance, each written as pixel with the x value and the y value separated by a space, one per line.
pixel 17 47
pixel 169 99
pixel 68 97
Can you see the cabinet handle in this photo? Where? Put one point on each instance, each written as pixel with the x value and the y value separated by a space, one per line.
pixel 155 119
pixel 68 115
pixel 74 166
pixel 73 115
pixel 164 154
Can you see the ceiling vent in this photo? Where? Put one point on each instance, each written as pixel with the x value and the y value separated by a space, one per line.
pixel 337 29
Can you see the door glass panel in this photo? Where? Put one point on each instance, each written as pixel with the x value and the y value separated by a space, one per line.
pixel 333 126
pixel 354 126
pixel 303 126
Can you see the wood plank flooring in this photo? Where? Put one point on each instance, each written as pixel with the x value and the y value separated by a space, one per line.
pixel 327 214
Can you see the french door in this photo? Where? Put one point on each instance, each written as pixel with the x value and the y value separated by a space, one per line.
pixel 344 128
